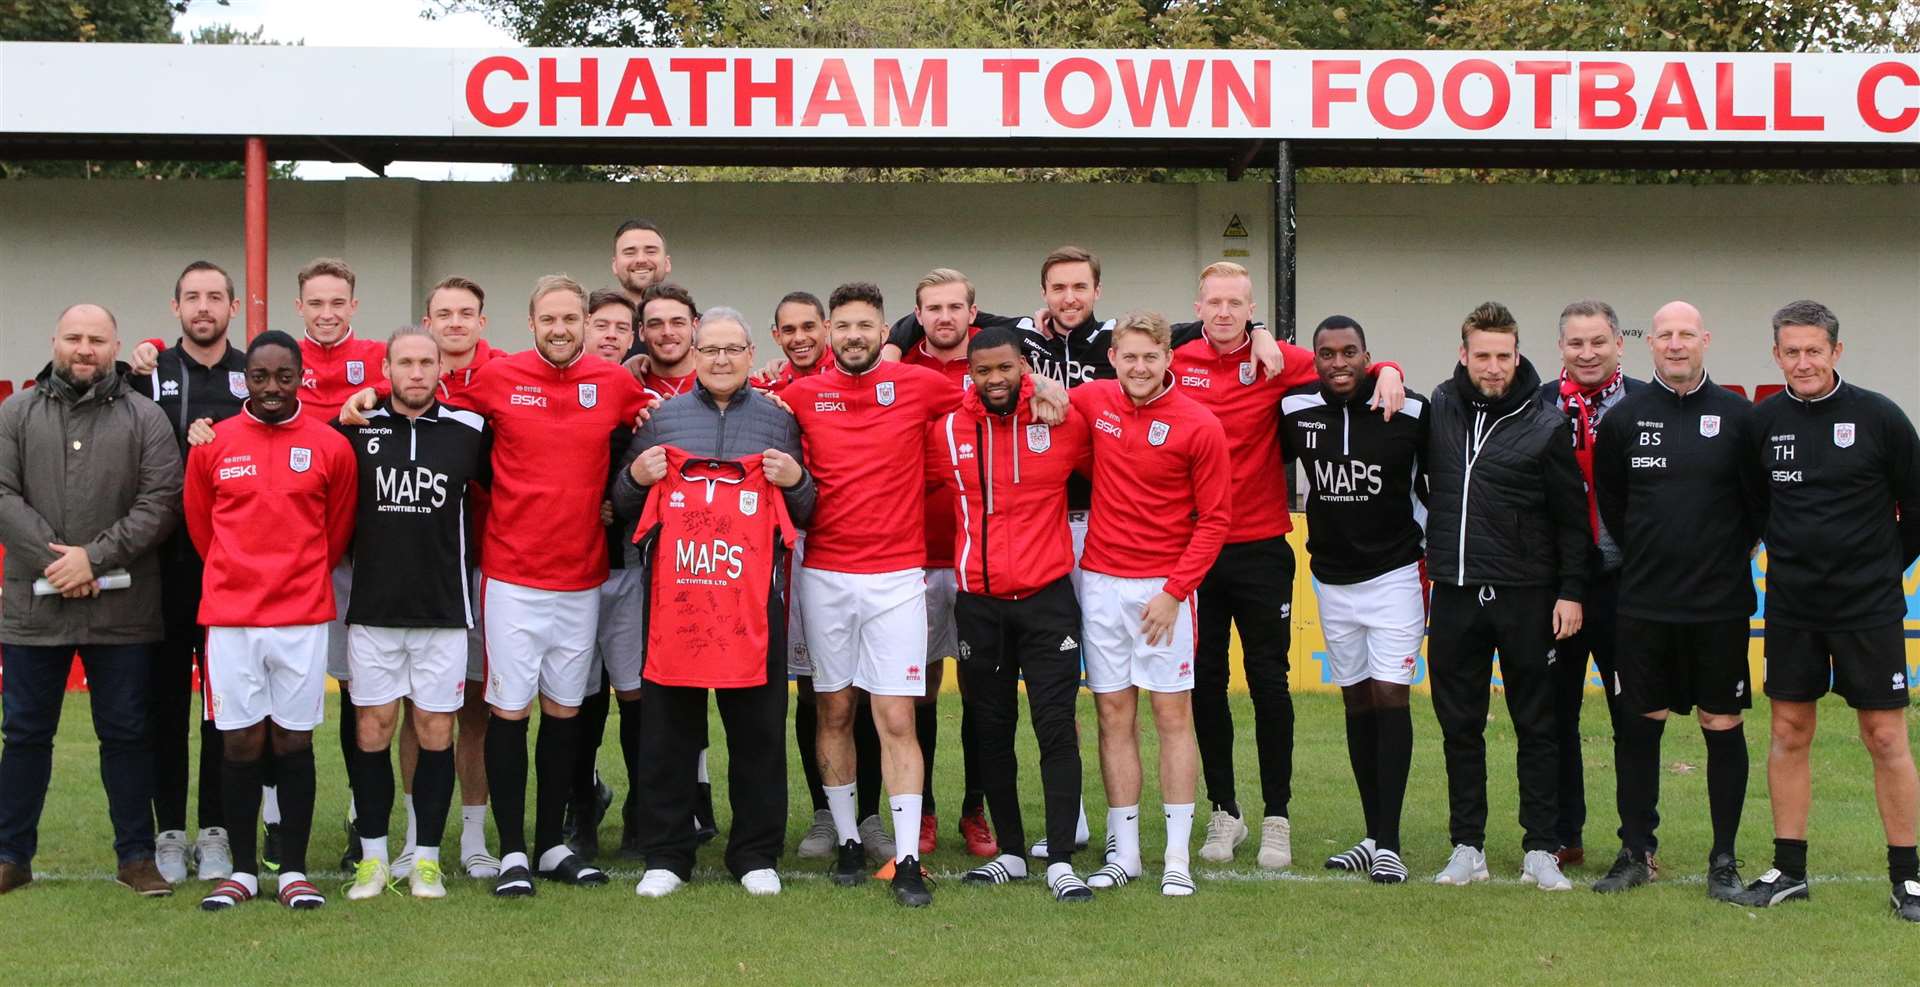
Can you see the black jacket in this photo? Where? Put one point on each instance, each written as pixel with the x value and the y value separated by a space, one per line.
pixel 410 539
pixel 1365 480
pixel 1606 555
pixel 1679 484
pixel 1838 469
pixel 1509 507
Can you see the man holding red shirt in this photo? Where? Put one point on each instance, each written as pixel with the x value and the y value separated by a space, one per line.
pixel 270 504
pixel 544 557
pixel 1251 585
pixel 1161 511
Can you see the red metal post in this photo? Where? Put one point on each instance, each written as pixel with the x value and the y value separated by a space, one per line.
pixel 256 195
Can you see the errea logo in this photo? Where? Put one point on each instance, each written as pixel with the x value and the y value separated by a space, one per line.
pixel 677 499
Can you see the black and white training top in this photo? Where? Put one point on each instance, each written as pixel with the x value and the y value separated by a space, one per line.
pixel 1366 480
pixel 1843 516
pixel 410 547
pixel 1678 482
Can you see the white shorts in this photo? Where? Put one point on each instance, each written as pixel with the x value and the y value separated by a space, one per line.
pixel 1116 653
pixel 539 641
pixel 425 664
pixel 1373 629
pixel 477 634
pixel 867 630
pixel 943 636
pixel 256 673
pixel 1077 524
pixel 799 662
pixel 622 636
pixel 337 665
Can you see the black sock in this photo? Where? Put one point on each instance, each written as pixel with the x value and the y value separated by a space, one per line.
pixel 866 761
pixel 593 728
pixel 296 807
pixel 349 739
pixel 630 745
pixel 213 804
pixel 976 796
pixel 806 724
pixel 1637 778
pixel 433 780
pixel 372 792
pixel 1726 784
pixel 240 798
pixel 1363 755
pixel 1790 858
pixel 1394 726
pixel 506 757
pixel 1902 864
pixel 553 753
pixel 926 725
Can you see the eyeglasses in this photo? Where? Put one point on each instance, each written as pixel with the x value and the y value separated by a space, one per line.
pixel 730 351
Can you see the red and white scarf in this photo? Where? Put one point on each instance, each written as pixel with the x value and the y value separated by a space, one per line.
pixel 1584 406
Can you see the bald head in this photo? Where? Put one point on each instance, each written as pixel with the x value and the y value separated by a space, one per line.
pixel 85 342
pixel 1679 343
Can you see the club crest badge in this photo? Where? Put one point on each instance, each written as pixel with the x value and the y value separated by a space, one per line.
pixel 749 503
pixel 1246 373
pixel 356 371
pixel 1709 426
pixel 236 383
pixel 1843 434
pixel 883 393
pixel 300 459
pixel 1039 438
pixel 589 395
pixel 1157 433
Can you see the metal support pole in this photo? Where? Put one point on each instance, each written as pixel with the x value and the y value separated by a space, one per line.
pixel 1285 288
pixel 256 226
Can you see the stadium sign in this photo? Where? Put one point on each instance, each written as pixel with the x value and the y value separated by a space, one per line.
pixel 674 94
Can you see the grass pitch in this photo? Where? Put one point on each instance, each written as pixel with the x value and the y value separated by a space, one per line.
pixel 1245 925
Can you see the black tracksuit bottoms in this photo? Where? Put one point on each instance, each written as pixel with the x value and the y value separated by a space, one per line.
pixel 1251 586
pixel 1036 638
pixel 1466 626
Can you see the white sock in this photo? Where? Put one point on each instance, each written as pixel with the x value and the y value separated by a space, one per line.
pixel 288 878
pixel 1056 871
pixel 427 853
pixel 906 826
pixel 269 806
pixel 473 829
pixel 374 848
pixel 551 859
pixel 700 768
pixel 1179 834
pixel 512 860
pixel 248 881
pixel 1080 831
pixel 1014 863
pixel 413 826
pixel 846 825
pixel 1123 821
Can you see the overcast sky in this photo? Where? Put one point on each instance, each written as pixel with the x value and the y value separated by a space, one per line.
pixel 359 23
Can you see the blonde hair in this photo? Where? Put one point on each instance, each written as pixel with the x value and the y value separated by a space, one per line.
pixel 1224 269
pixel 1149 324
pixel 550 283
pixel 939 276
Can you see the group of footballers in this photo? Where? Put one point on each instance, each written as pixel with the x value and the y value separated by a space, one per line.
pixel 1049 498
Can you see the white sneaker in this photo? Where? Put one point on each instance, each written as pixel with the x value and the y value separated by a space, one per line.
pixel 170 855
pixel 658 884
pixel 1276 843
pixel 877 838
pixel 425 880
pixel 370 878
pixel 1466 866
pixel 819 843
pixel 764 881
pixel 212 857
pixel 480 864
pixel 1540 868
pixel 1225 831
pixel 402 867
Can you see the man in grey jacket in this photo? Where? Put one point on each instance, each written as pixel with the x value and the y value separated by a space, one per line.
pixel 722 418
pixel 89 489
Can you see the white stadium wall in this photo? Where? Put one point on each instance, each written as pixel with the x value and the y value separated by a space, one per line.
pixel 1406 260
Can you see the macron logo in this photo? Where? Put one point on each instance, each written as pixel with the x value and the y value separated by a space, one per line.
pixel 1068 643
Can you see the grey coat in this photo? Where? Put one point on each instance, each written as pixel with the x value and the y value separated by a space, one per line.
pixel 693 423
pixel 98 470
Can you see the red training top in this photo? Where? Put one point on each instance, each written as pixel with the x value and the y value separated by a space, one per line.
pixel 940 511
pixel 330 374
